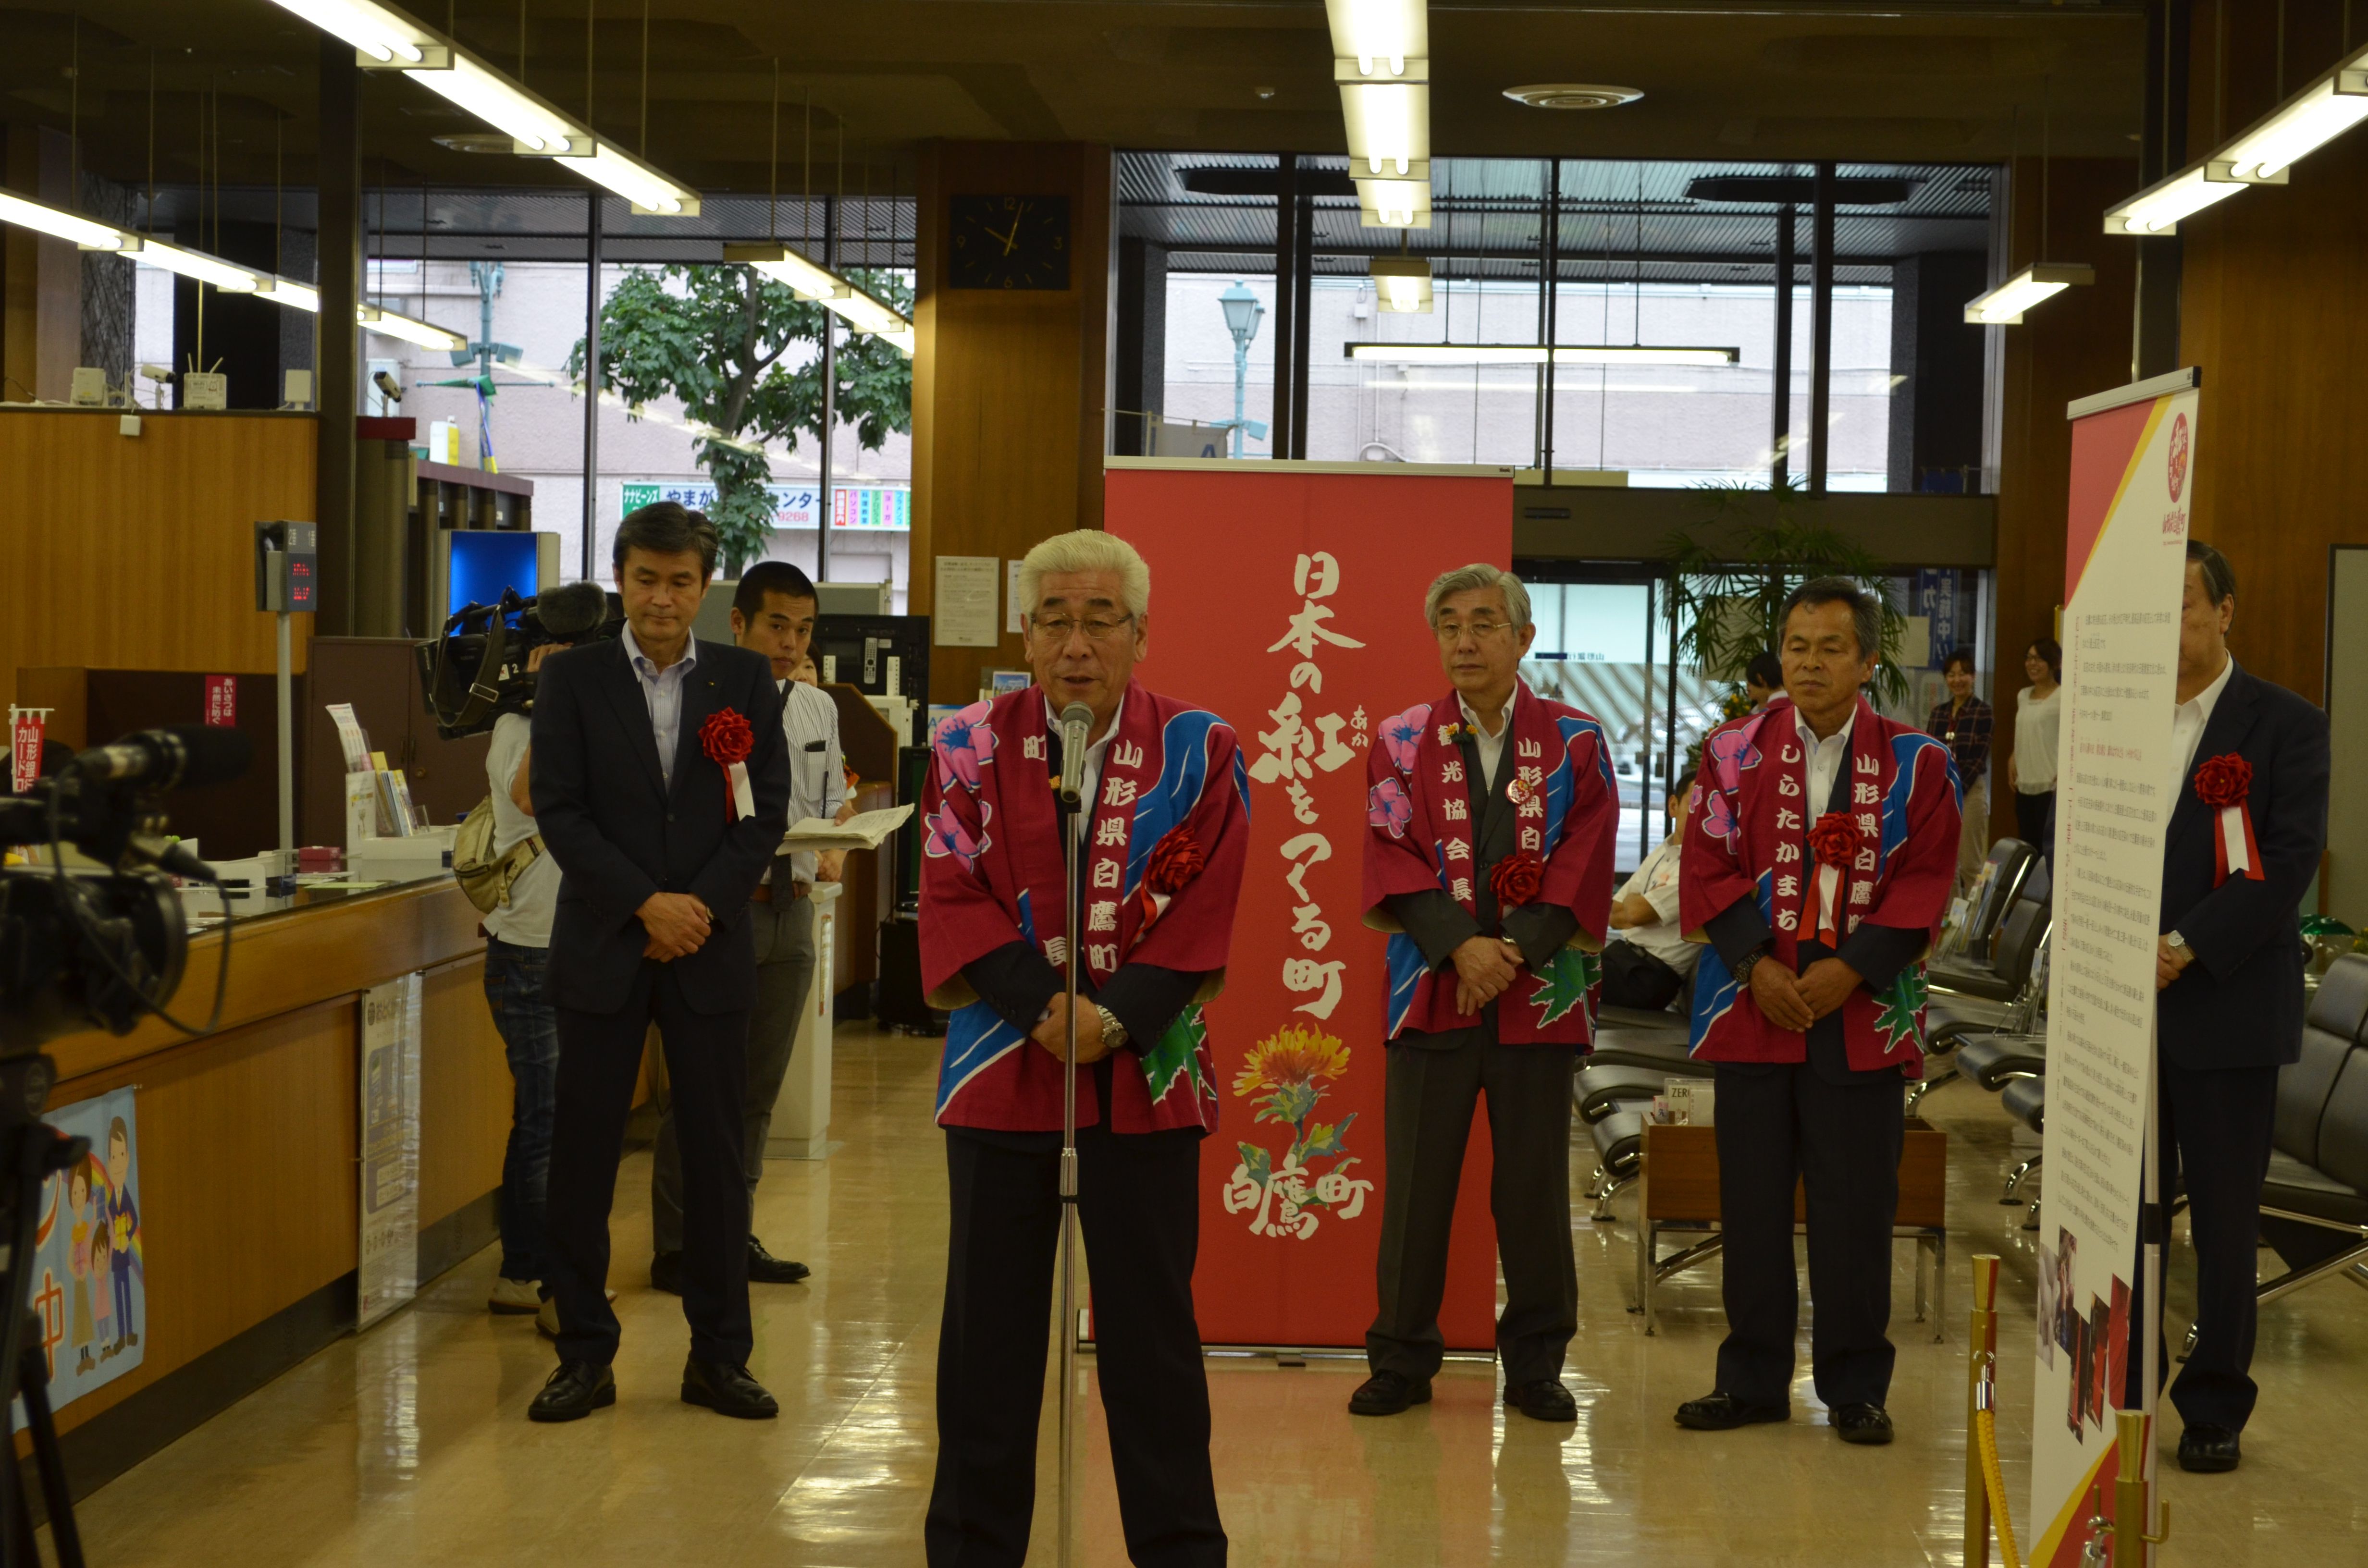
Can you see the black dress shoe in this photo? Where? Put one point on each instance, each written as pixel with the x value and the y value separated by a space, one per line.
pixel 1866 1424
pixel 726 1388
pixel 665 1273
pixel 2208 1450
pixel 1721 1412
pixel 574 1391
pixel 1387 1393
pixel 764 1268
pixel 1544 1400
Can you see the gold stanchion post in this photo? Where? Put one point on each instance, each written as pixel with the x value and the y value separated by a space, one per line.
pixel 1981 1338
pixel 2133 1532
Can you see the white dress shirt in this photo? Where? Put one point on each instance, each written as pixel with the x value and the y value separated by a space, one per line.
pixel 1656 883
pixel 1824 759
pixel 1491 748
pixel 661 690
pixel 817 766
pixel 2187 719
pixel 1091 783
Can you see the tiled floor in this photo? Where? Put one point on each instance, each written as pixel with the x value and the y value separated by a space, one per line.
pixel 409 1444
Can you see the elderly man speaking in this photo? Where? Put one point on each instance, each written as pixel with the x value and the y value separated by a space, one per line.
pixel 1161 871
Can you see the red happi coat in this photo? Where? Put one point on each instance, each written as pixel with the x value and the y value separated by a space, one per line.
pixel 1422 815
pixel 1747 837
pixel 1164 856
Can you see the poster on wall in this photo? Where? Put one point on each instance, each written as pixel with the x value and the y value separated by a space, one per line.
pixel 90 1270
pixel 2132 466
pixel 389 1174
pixel 1320 577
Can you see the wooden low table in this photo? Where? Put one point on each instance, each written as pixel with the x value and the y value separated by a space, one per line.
pixel 1677 1191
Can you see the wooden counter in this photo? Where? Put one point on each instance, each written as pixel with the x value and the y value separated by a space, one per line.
pixel 249 1149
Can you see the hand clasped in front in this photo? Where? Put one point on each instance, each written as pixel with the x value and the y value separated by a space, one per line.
pixel 679 924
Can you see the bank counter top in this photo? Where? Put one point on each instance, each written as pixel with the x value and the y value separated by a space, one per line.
pixel 249 1148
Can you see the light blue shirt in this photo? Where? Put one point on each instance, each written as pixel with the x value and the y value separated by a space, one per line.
pixel 661 690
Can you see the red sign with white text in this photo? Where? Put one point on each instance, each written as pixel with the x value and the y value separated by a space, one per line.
pixel 25 748
pixel 221 701
pixel 1289 604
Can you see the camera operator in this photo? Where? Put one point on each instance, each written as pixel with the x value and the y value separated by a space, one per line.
pixel 772 614
pixel 660 782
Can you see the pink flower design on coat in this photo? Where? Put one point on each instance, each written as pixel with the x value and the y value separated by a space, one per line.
pixel 963 744
pixel 1730 753
pixel 1401 736
pixel 1718 816
pixel 949 834
pixel 1388 805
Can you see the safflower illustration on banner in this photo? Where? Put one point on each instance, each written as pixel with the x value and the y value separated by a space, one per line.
pixel 1290 602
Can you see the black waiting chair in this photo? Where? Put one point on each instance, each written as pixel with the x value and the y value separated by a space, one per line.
pixel 1998 980
pixel 2008 866
pixel 2318 1158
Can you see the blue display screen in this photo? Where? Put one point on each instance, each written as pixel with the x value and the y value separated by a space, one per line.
pixel 484 563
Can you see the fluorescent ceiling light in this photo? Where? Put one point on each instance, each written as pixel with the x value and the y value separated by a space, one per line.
pixel 394 324
pixel 2004 305
pixel 377 32
pixel 44 219
pixel 2314 117
pixel 649 191
pixel 1380 36
pixel 2158 208
pixel 492 98
pixel 1403 283
pixel 228 277
pixel 1537 354
pixel 1389 126
pixel 834 293
pixel 288 291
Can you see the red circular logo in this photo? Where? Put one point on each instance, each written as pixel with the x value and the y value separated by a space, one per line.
pixel 2178 455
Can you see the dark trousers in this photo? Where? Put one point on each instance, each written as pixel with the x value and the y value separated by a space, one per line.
pixel 1841 1140
pixel 599 1058
pixel 529 1030
pixel 1139 1209
pixel 1634 978
pixel 1427 1121
pixel 2034 821
pixel 2216 1127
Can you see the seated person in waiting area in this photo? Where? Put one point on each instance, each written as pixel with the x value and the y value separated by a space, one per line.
pixel 1648 961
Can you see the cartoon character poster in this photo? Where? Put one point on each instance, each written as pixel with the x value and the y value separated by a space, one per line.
pixel 89 1275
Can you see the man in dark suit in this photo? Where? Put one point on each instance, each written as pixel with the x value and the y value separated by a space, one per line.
pixel 2230 968
pixel 661 785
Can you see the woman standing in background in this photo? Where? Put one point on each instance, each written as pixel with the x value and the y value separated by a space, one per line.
pixel 1964 723
pixel 2038 717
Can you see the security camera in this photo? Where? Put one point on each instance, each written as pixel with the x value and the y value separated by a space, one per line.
pixel 387 386
pixel 157 372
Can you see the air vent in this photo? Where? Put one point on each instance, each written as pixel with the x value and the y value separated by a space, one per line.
pixel 1573 94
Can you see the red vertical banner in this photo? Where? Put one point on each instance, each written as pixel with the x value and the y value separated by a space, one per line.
pixel 24 728
pixel 1289 602
pixel 221 701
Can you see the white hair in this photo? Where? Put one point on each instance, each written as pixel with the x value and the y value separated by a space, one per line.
pixel 1087 550
pixel 1479 575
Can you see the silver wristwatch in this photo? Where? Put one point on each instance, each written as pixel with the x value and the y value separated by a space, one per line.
pixel 2177 943
pixel 1113 1032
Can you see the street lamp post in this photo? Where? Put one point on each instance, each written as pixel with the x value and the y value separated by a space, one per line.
pixel 1243 314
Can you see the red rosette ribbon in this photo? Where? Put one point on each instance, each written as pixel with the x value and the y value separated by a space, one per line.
pixel 1175 861
pixel 727 741
pixel 2225 783
pixel 1515 879
pixel 1834 839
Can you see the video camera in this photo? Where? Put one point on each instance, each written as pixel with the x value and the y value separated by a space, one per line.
pixel 83 950
pixel 477 670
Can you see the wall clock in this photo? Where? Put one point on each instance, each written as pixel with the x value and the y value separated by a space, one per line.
pixel 1009 241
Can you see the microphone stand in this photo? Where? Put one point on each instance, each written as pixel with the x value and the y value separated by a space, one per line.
pixel 1074 831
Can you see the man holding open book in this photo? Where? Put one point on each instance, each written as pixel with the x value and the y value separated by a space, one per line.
pixel 772 614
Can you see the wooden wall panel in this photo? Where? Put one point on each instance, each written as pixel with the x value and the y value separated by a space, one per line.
pixel 465 1091
pixel 135 552
pixel 248 1146
pixel 1010 388
pixel 2271 310
pixel 2075 344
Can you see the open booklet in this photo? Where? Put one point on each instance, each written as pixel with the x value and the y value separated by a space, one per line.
pixel 864 830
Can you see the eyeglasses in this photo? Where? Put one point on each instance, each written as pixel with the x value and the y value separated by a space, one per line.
pixel 1452 630
pixel 1058 628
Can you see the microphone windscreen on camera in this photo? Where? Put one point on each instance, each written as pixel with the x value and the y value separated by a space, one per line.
pixel 572 611
pixel 175 756
pixel 213 753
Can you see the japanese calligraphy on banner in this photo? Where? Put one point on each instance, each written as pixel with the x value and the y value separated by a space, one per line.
pixel 2116 782
pixel 1309 588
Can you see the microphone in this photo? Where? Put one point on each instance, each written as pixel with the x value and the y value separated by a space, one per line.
pixel 572 611
pixel 178 757
pixel 1077 723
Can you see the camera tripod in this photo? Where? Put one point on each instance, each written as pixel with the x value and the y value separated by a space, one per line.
pixel 30 1153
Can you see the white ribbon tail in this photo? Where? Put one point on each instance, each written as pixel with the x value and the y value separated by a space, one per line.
pixel 2231 838
pixel 744 799
pixel 1829 882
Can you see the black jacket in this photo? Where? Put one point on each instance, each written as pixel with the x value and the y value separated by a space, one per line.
pixel 620 834
pixel 2240 1003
